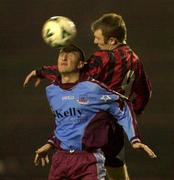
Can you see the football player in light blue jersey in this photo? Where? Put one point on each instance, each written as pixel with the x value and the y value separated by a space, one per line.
pixel 116 65
pixel 81 106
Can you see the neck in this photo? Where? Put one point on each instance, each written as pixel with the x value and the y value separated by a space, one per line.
pixel 114 46
pixel 70 78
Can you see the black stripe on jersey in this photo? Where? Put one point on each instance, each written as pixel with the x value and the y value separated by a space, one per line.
pixel 124 64
pixel 110 68
pixel 131 62
pixel 95 62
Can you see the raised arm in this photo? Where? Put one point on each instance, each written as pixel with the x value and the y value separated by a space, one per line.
pixel 46 72
pixel 29 77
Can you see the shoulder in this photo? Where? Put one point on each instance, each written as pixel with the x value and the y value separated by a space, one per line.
pixel 101 52
pixel 105 88
pixel 100 55
pixel 92 85
pixel 51 86
pixel 52 89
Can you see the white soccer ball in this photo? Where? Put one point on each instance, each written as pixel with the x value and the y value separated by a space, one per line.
pixel 58 31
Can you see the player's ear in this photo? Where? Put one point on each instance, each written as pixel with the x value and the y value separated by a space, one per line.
pixel 81 64
pixel 112 41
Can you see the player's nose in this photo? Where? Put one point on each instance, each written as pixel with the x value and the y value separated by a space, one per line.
pixel 95 41
pixel 64 57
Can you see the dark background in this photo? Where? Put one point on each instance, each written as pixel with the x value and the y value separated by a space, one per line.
pixel 25 118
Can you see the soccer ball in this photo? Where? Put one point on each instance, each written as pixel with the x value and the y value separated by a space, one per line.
pixel 58 31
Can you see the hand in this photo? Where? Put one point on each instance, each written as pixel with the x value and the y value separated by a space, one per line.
pixel 42 156
pixel 149 151
pixel 30 76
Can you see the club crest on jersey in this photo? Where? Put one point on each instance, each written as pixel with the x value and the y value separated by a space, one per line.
pixel 83 99
pixel 105 98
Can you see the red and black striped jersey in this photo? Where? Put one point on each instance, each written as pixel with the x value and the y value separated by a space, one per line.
pixel 120 69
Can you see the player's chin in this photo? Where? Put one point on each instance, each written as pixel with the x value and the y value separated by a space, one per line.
pixel 102 47
pixel 63 69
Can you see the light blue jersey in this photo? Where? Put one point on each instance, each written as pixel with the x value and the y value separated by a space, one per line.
pixel 76 108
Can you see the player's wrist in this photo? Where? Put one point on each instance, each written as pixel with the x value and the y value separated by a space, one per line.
pixel 135 140
pixel 50 143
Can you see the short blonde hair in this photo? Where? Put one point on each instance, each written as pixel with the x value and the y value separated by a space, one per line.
pixel 111 25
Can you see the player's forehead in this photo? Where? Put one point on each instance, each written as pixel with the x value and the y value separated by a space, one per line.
pixel 98 33
pixel 69 53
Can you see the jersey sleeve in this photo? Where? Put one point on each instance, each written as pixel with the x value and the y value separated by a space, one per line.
pixel 121 109
pixel 96 64
pixel 142 90
pixel 123 112
pixel 48 72
pixel 52 138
